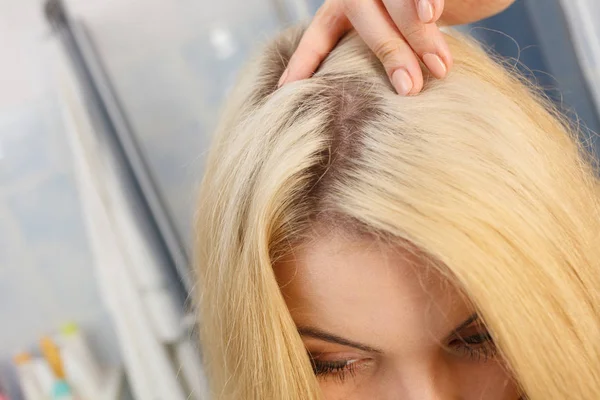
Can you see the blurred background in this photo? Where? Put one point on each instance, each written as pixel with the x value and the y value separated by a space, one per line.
pixel 106 110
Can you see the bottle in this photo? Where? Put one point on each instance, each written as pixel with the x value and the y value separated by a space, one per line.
pixel 81 367
pixel 62 391
pixel 43 375
pixel 59 388
pixel 30 385
pixel 51 353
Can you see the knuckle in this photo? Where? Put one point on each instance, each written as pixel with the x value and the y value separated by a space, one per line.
pixel 387 50
pixel 415 32
pixel 318 54
pixel 324 11
pixel 351 7
pixel 327 16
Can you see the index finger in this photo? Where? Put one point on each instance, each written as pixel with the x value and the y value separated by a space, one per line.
pixel 321 36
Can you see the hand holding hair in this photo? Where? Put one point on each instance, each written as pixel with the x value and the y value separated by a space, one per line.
pixel 399 32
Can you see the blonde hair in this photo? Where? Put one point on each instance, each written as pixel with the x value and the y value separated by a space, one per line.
pixel 478 171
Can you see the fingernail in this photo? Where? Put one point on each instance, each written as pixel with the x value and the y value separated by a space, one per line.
pixel 402 81
pixel 283 78
pixel 425 11
pixel 435 64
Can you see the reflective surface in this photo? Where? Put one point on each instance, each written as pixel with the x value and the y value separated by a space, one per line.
pixel 171 64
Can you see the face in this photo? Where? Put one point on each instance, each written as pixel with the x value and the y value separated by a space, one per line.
pixel 379 323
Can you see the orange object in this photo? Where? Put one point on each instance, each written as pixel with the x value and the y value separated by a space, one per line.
pixel 51 353
pixel 22 358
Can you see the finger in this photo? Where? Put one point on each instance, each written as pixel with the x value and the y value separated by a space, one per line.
pixel 429 11
pixel 321 36
pixel 425 39
pixel 374 25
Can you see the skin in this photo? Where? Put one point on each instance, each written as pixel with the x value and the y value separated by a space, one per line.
pixel 400 32
pixel 383 308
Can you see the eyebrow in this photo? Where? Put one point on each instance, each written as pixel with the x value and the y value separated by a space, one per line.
pixel 472 318
pixel 316 333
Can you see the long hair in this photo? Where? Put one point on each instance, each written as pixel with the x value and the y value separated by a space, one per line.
pixel 478 171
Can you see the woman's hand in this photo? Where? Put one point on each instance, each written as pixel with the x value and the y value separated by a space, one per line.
pixel 400 32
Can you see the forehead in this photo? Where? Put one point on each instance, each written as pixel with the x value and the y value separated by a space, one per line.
pixel 367 289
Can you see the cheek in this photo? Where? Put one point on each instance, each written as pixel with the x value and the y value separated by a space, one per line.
pixel 365 389
pixel 489 380
pixel 470 381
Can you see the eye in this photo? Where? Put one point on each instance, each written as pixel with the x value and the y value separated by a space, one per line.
pixel 477 346
pixel 339 370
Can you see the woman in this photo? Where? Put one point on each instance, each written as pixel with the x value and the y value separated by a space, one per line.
pixel 356 244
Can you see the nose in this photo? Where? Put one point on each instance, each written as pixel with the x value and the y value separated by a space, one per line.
pixel 425 382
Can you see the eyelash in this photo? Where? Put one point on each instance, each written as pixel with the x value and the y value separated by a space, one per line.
pixel 340 370
pixel 479 347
